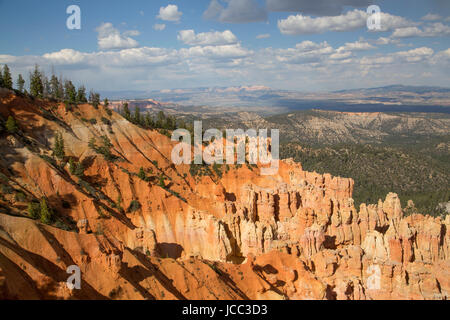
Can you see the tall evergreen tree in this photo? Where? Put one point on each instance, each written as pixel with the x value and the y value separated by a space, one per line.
pixel 58 148
pixel 36 85
pixel 149 123
pixel 60 91
pixel 126 111
pixel 137 115
pixel 1 78
pixel 7 79
pixel 106 102
pixel 20 83
pixel 46 86
pixel 94 99
pixel 160 120
pixel 54 86
pixel 70 94
pixel 81 95
pixel 46 212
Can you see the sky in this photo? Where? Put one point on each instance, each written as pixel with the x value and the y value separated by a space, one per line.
pixel 303 45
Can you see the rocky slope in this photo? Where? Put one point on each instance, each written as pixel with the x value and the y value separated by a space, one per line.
pixel 233 235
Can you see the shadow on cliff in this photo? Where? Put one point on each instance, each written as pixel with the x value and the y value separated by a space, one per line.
pixel 170 250
pixel 148 269
pixel 52 271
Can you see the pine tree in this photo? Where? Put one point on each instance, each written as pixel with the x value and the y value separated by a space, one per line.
pixel 54 87
pixel 71 166
pixel 106 102
pixel 94 99
pixel 46 86
pixel 81 95
pixel 137 116
pixel 33 210
pixel 7 80
pixel 70 92
pixel 36 84
pixel 161 120
pixel 126 112
pixel 46 212
pixel 142 174
pixel 149 124
pixel 1 78
pixel 60 91
pixel 58 149
pixel 20 83
pixel 11 125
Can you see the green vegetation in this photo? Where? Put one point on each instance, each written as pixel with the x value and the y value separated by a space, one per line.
pixel 423 177
pixel 11 125
pixel 134 206
pixel 104 149
pixel 58 148
pixel 6 77
pixel 76 168
pixel 20 83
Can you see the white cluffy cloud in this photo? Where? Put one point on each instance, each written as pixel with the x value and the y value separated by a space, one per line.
pixel 111 38
pixel 207 38
pixel 159 26
pixel 263 36
pixel 170 13
pixel 437 29
pixel 351 20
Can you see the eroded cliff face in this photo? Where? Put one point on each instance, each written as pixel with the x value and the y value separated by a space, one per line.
pixel 238 235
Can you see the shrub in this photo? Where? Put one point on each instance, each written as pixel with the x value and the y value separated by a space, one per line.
pixel 93 121
pixel 46 212
pixel 106 121
pixel 11 125
pixel 134 206
pixel 34 210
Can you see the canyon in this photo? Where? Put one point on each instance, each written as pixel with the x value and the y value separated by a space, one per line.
pixel 233 235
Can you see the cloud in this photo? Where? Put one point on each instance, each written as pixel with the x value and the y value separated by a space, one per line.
pixel 263 36
pixel 170 13
pixel 356 46
pixel 207 38
pixel 431 17
pixel 351 20
pixel 131 33
pixel 415 55
pixel 159 27
pixel 433 30
pixel 316 7
pixel 237 11
pixel 110 38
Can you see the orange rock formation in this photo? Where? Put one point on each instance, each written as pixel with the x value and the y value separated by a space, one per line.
pixel 296 235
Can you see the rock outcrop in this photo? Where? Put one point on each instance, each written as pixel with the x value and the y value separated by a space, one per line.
pixel 237 235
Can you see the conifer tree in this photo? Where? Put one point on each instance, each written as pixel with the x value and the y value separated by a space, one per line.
pixel 36 84
pixel 7 80
pixel 70 94
pixel 54 87
pixel 11 125
pixel 20 83
pixel 46 213
pixel 137 116
pixel 126 112
pixel 81 95
pixel 58 149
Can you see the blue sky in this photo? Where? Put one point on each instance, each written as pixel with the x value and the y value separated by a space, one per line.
pixel 284 44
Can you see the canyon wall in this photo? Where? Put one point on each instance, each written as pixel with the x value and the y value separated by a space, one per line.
pixel 234 235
